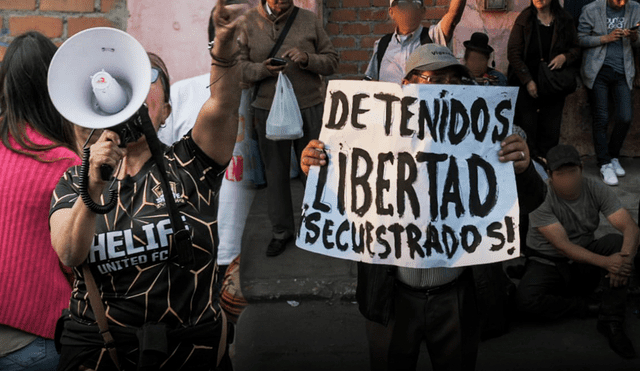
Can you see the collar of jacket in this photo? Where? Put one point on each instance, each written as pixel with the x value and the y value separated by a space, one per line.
pixel 266 15
pixel 528 19
pixel 603 8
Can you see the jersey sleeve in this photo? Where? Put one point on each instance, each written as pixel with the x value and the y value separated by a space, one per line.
pixel 607 201
pixel 186 154
pixel 66 192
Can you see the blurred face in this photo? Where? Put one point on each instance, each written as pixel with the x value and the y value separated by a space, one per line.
pixel 279 6
pixel 567 181
pixel 617 4
pixel 407 14
pixel 477 63
pixel 157 101
pixel 542 4
pixel 444 76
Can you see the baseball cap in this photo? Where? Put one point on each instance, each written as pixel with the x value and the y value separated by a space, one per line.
pixel 562 154
pixel 431 57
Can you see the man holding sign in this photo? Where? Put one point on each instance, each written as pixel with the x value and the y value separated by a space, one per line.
pixel 431 291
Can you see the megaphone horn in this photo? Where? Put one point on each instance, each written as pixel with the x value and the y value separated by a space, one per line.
pixel 99 78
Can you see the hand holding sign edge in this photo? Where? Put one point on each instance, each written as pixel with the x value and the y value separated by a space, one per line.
pixel 514 148
pixel 313 155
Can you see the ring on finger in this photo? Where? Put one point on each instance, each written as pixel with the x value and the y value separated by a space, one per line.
pixel 522 155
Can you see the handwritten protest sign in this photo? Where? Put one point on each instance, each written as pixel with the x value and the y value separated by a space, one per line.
pixel 413 177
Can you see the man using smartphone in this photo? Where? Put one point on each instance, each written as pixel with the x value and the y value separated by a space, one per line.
pixel 305 54
pixel 608 66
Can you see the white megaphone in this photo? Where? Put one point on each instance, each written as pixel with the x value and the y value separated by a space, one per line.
pixel 99 78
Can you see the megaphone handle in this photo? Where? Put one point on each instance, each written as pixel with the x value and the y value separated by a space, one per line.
pixel 105 172
pixel 84 189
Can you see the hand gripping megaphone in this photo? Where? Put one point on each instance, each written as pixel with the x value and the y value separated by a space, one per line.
pixel 100 79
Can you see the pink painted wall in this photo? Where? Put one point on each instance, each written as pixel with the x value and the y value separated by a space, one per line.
pixel 176 30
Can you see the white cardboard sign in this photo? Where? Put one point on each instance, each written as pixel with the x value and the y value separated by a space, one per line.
pixel 413 177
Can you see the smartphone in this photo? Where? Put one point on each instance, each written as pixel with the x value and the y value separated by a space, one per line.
pixel 278 62
pixel 634 27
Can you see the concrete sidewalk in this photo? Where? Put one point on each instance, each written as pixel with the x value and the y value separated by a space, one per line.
pixel 326 332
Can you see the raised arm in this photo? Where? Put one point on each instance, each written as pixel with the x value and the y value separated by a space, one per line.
pixel 452 18
pixel 216 127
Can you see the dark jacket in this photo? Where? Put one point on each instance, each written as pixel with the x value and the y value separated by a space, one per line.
pixel 376 283
pixel 564 41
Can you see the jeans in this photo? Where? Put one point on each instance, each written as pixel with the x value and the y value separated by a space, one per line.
pixel 551 292
pixel 40 355
pixel 610 81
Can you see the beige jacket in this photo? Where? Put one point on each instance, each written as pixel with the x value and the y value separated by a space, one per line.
pixel 258 34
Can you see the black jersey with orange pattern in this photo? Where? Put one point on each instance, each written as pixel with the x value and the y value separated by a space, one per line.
pixel 132 256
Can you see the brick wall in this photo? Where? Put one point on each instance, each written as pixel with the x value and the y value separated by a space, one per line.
pixel 354 25
pixel 57 19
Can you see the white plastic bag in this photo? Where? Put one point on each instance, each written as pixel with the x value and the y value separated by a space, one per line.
pixel 284 121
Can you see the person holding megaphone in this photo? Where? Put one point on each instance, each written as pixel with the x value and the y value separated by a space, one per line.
pixel 145 294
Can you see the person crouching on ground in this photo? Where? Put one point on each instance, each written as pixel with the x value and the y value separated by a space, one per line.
pixel 567 262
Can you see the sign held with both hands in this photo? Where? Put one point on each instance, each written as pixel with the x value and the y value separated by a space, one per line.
pixel 413 177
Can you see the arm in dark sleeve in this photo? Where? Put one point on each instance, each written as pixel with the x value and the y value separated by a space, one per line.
pixel 574 53
pixel 531 189
pixel 515 53
pixel 325 60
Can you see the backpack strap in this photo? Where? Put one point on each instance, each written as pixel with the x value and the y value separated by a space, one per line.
pixel 95 301
pixel 383 44
pixel 424 36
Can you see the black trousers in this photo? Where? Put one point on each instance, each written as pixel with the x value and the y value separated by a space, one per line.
pixel 276 156
pixel 447 322
pixel 548 291
pixel 541 119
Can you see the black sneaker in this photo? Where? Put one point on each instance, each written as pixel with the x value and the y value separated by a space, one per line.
pixel 277 246
pixel 618 340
